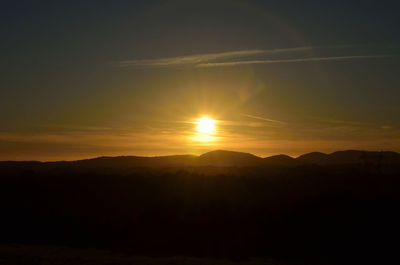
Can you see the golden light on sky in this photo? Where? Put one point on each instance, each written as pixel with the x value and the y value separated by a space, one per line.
pixel 148 96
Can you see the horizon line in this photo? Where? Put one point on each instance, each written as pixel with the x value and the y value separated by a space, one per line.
pixel 217 150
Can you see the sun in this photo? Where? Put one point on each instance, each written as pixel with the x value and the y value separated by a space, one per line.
pixel 205 125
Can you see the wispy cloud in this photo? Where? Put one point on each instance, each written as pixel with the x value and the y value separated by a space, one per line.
pixel 247 57
pixel 262 118
pixel 197 59
pixel 343 122
pixel 309 59
pixel 189 59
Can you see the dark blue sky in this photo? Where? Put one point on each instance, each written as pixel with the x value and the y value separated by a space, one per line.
pixel 327 70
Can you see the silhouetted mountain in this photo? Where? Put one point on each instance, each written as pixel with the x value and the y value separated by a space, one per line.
pixel 218 158
pixel 137 161
pixel 313 158
pixel 280 160
pixel 229 159
pixel 354 156
pixel 350 157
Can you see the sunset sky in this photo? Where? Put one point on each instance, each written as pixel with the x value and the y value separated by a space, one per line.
pixel 82 79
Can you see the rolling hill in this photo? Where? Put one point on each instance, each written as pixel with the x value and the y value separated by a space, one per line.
pixel 218 158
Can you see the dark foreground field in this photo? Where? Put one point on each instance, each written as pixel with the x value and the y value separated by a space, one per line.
pixel 113 213
pixel 54 255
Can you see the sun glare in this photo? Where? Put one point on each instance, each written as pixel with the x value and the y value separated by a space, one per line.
pixel 205 131
pixel 205 125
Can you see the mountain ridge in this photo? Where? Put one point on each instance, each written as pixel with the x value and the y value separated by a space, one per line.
pixel 225 158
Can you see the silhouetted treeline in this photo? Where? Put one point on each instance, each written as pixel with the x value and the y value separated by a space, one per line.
pixel 334 213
